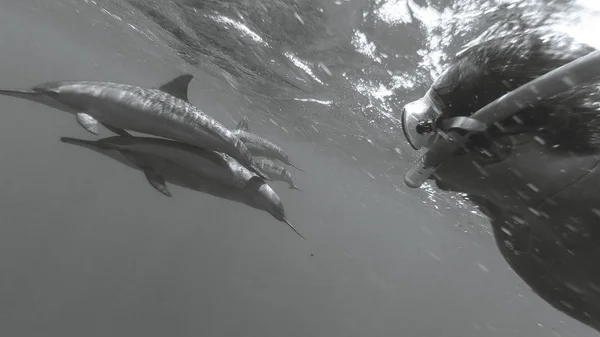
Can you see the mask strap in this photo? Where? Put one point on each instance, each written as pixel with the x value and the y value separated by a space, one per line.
pixel 455 123
pixel 437 104
pixel 462 123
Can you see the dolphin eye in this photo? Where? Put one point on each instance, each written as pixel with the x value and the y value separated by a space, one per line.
pixel 46 91
pixel 52 94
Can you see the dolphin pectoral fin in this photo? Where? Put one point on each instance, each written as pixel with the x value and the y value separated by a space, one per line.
pixel 178 86
pixel 117 130
pixel 87 122
pixel 243 124
pixel 158 182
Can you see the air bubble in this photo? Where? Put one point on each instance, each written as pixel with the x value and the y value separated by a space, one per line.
pixel 482 267
pixel 518 120
pixel 481 170
pixel 568 81
pixel 299 18
pixel 536 213
pixel 539 140
pixel 518 220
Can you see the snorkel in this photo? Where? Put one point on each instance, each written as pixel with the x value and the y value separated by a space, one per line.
pixel 442 135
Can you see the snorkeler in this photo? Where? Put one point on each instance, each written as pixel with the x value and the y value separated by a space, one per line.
pixel 514 123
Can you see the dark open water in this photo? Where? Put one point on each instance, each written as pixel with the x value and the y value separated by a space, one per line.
pixel 88 248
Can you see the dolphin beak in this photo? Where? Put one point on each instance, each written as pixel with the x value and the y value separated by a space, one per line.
pixel 293 228
pixel 47 98
pixel 25 94
pixel 296 167
pixel 294 187
pixel 80 142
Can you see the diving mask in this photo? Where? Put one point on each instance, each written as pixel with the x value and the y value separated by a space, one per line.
pixel 424 127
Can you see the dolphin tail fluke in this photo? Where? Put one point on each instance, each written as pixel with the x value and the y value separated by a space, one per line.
pixel 294 187
pixel 293 228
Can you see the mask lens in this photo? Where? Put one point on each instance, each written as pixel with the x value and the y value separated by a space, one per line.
pixel 415 118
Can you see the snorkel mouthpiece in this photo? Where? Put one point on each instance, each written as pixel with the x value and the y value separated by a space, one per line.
pixel 443 148
pixel 445 143
pixel 424 127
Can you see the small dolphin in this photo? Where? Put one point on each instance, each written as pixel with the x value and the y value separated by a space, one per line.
pixel 276 172
pixel 259 146
pixel 188 166
pixel 164 112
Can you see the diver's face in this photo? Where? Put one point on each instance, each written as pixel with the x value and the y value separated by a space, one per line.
pixel 464 173
pixel 514 176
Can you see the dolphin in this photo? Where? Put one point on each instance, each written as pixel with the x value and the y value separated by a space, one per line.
pixel 259 146
pixel 164 112
pixel 188 166
pixel 276 172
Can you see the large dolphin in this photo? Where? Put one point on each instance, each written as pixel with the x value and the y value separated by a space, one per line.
pixel 214 173
pixel 276 172
pixel 164 112
pixel 259 146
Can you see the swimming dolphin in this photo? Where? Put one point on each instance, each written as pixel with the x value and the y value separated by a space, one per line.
pixel 259 146
pixel 276 172
pixel 202 170
pixel 164 112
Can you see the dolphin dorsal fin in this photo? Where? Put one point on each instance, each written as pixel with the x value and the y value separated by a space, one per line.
pixel 243 124
pixel 178 86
